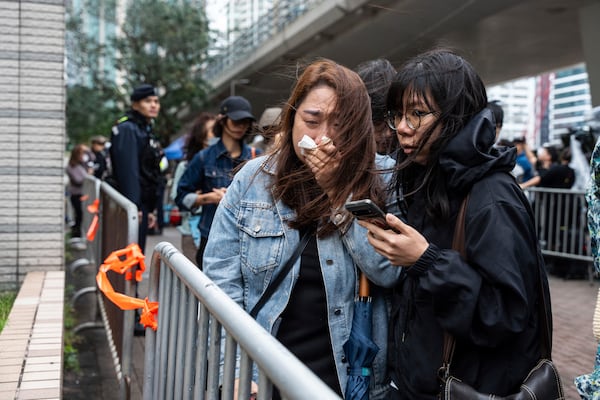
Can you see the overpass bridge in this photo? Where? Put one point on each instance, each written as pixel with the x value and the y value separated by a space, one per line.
pixel 503 39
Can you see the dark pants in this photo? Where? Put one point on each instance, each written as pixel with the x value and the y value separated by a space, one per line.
pixel 76 203
pixel 143 229
pixel 200 252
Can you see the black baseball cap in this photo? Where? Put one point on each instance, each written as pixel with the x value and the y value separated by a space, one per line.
pixel 236 108
pixel 143 91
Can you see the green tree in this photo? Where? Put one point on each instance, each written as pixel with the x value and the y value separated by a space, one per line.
pixel 160 42
pixel 92 98
pixel 90 111
pixel 166 44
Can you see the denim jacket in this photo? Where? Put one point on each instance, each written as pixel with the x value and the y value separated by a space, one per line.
pixel 210 168
pixel 250 240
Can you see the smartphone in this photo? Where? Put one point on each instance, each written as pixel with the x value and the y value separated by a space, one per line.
pixel 367 210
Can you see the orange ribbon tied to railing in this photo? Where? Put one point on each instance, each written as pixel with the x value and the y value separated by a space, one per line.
pixel 93 209
pixel 123 262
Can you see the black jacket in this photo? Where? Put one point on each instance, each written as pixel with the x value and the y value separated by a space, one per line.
pixel 489 301
pixel 135 155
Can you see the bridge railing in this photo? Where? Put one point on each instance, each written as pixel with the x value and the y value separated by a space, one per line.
pixel 251 38
pixel 183 357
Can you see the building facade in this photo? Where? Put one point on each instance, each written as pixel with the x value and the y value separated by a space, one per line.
pixel 32 138
pixel 517 101
pixel 570 99
pixel 545 107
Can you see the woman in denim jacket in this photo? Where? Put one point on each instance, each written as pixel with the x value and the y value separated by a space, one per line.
pixel 273 200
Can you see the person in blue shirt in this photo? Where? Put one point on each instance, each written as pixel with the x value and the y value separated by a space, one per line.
pixel 525 160
pixel 209 173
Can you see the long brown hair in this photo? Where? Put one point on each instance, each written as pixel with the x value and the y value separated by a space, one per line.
pixel 77 153
pixel 196 140
pixel 355 177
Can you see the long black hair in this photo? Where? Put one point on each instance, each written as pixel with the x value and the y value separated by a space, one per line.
pixel 448 85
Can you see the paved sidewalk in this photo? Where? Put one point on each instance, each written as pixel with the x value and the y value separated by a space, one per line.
pixel 574 345
pixel 573 303
pixel 31 355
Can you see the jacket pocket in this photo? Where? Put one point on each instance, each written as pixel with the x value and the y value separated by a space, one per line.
pixel 261 237
pixel 216 177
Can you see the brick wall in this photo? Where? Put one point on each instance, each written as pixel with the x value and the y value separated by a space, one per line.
pixel 32 138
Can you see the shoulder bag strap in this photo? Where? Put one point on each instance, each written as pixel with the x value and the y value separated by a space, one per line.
pixel 275 282
pixel 458 244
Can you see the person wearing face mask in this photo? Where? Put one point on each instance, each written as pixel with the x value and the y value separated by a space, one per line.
pixel 79 166
pixel 488 299
pixel 291 202
pixel 209 172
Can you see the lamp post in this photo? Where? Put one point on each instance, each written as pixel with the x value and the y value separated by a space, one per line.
pixel 235 82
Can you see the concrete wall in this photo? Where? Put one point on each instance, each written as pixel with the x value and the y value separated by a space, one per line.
pixel 32 138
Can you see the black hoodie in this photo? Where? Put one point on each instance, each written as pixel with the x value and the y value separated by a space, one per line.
pixel 489 301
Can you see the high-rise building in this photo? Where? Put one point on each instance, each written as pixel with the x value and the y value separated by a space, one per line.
pixel 570 99
pixel 545 107
pixel 99 21
pixel 517 101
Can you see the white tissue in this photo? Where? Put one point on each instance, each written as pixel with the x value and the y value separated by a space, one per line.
pixel 307 143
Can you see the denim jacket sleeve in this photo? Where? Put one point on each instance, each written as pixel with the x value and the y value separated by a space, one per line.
pixel 378 269
pixel 189 182
pixel 222 260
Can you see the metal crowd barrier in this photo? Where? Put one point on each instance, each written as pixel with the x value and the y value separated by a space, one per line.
pixel 117 228
pixel 182 358
pixel 561 221
pixel 91 189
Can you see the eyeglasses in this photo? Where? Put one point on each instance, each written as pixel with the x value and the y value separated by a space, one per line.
pixel 413 118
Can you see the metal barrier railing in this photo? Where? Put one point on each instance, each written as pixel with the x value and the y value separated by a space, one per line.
pixel 91 189
pixel 183 357
pixel 117 228
pixel 561 221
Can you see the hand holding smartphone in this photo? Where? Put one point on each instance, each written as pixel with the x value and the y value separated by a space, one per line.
pixel 367 210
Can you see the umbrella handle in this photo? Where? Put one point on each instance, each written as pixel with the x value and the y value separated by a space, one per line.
pixel 363 285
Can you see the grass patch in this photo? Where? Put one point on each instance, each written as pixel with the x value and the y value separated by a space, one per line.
pixel 6 301
pixel 71 356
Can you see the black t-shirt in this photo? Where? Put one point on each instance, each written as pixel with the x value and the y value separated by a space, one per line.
pixel 304 329
pixel 559 176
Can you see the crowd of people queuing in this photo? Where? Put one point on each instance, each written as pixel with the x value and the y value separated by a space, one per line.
pixel 417 140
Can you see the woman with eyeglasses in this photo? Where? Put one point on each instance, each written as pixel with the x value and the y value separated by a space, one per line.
pixel 487 300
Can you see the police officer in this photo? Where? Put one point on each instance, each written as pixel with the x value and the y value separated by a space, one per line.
pixel 135 155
